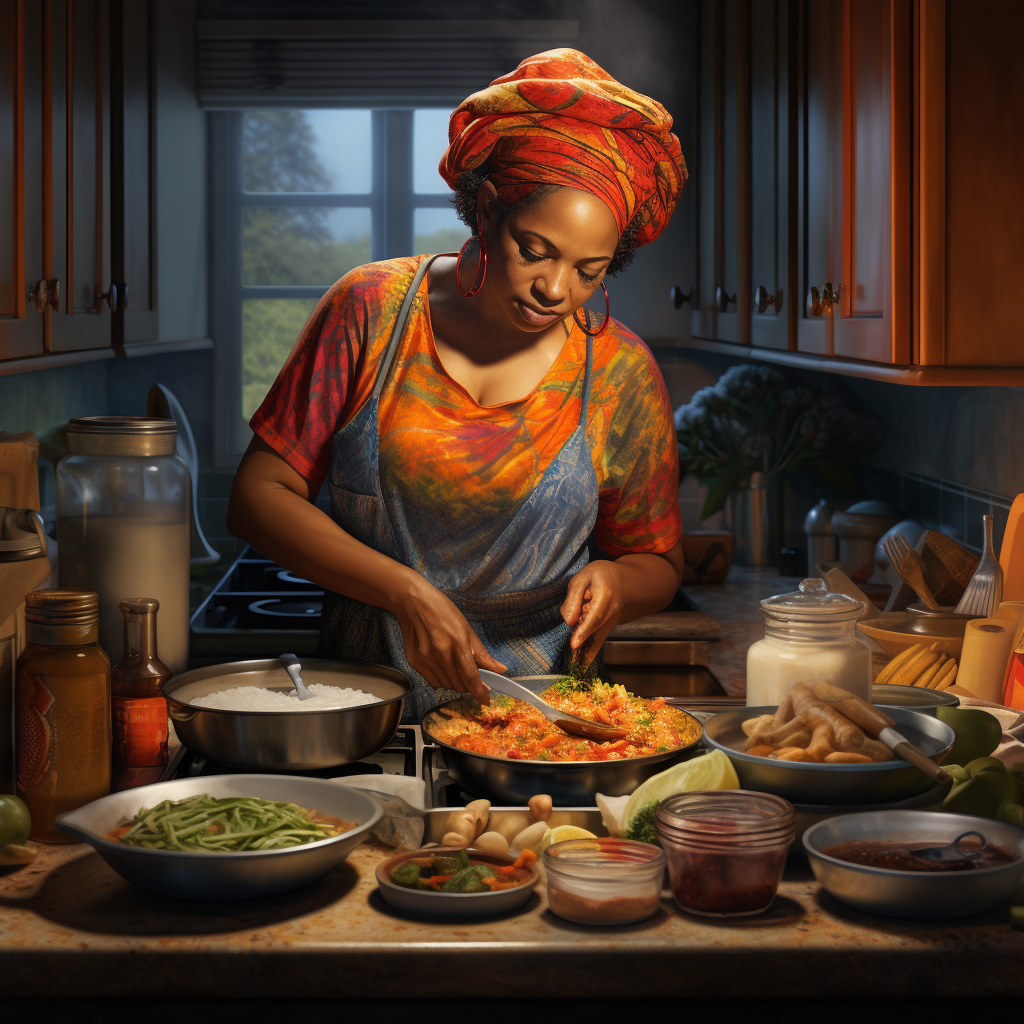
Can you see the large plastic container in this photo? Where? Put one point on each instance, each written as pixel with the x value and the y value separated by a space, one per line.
pixel 123 499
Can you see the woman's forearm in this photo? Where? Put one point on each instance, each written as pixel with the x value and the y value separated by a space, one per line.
pixel 286 527
pixel 649 582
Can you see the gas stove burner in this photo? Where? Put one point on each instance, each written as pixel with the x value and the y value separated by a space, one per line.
pixel 288 608
pixel 287 576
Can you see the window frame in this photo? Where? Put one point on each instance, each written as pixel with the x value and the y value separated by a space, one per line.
pixel 392 204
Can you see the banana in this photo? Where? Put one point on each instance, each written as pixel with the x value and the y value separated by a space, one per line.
pixel 890 669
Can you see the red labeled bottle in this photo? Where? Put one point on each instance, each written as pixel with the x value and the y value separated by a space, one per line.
pixel 140 708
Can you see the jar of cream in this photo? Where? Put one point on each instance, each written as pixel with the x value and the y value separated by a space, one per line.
pixel 809 637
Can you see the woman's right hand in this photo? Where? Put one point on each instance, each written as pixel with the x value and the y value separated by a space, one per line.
pixel 440 644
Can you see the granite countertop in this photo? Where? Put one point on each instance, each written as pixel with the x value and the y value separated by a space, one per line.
pixel 735 605
pixel 70 926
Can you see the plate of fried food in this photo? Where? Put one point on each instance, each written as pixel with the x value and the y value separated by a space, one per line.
pixel 809 752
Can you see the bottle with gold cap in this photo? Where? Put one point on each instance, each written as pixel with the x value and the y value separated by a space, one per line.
pixel 140 708
pixel 62 714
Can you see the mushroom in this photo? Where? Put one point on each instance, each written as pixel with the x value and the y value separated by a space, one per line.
pixel 493 843
pixel 540 806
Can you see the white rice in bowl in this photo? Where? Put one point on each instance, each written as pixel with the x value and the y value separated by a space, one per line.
pixel 260 698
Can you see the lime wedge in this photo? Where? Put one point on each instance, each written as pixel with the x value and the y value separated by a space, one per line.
pixel 709 771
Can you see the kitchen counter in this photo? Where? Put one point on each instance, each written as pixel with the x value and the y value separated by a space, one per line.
pixel 735 605
pixel 71 927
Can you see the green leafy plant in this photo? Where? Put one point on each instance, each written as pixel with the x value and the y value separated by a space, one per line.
pixel 753 420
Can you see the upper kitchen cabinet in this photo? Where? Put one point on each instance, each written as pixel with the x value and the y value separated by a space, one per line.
pixel 76 198
pixel 854 179
pixel 745 150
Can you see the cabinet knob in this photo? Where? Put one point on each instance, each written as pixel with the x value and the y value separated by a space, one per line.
pixel 109 297
pixel 122 290
pixel 679 296
pixel 763 299
pixel 822 303
pixel 46 293
pixel 723 298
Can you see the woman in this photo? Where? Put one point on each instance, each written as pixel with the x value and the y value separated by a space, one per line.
pixel 474 426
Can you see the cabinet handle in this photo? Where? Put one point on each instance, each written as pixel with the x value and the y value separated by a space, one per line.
pixel 763 299
pixel 678 296
pixel 46 293
pixel 109 297
pixel 823 303
pixel 723 298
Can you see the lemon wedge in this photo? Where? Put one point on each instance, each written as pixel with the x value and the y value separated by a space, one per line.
pixel 560 834
pixel 709 771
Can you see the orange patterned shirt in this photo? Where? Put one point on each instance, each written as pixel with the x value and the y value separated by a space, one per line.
pixel 452 460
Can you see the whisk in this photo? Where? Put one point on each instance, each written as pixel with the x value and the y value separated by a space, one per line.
pixel 985 590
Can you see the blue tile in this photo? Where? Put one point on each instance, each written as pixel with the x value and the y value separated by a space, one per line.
pixel 952 515
pixel 976 509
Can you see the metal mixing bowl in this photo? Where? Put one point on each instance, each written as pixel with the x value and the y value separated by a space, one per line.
pixel 807 783
pixel 287 740
pixel 569 783
pixel 913 698
pixel 916 894
pixel 224 876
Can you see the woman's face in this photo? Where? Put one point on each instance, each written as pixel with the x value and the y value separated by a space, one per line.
pixel 545 260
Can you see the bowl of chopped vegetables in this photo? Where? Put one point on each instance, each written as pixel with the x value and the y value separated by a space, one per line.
pixel 443 882
pixel 225 837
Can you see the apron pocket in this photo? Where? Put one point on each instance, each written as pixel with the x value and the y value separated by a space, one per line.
pixel 361 515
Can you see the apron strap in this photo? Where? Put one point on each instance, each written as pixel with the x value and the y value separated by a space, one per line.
pixel 399 326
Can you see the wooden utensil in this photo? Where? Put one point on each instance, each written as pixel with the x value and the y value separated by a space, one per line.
pixel 947 566
pixel 907 563
pixel 879 726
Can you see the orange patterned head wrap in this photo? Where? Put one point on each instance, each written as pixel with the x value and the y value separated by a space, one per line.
pixel 559 119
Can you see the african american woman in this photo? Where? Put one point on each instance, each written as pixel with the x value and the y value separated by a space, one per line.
pixel 474 424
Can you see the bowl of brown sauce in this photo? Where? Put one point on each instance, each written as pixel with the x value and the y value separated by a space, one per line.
pixel 870 861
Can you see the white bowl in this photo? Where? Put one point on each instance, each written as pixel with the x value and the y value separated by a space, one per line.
pixel 224 876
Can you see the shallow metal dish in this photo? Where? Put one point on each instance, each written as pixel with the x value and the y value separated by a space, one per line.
pixel 915 894
pixel 446 906
pixel 224 876
pixel 805 783
pixel 913 698
pixel 569 783
pixel 287 740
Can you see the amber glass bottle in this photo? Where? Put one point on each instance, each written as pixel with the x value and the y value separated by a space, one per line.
pixel 140 708
pixel 62 724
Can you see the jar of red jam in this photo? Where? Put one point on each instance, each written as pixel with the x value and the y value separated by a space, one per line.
pixel 726 849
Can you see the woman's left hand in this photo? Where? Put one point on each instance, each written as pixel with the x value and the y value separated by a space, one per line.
pixel 593 606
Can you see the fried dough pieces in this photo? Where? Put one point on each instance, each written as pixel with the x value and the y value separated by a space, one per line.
pixel 806 728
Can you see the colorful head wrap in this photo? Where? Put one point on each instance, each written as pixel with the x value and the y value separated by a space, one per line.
pixel 560 119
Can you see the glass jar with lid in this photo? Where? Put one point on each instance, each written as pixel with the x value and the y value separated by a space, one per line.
pixel 123 527
pixel 809 637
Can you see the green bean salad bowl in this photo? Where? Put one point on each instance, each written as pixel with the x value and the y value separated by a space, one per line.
pixel 212 874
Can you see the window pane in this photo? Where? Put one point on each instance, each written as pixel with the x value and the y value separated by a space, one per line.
pixel 303 245
pixel 429 141
pixel 269 330
pixel 307 151
pixel 437 230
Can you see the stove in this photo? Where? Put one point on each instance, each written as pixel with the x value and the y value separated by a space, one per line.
pixel 257 610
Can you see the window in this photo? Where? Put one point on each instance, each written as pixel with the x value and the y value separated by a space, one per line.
pixel 300 198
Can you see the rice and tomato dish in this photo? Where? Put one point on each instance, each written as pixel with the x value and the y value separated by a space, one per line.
pixel 511 728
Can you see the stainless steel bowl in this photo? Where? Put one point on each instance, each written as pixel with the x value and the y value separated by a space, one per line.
pixel 922 895
pixel 913 698
pixel 805 783
pixel 287 740
pixel 569 783
pixel 224 876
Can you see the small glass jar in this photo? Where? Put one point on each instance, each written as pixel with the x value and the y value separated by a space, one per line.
pixel 62 697
pixel 809 637
pixel 726 849
pixel 604 881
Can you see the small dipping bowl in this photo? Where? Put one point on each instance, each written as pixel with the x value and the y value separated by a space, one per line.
pixel 604 881
pixel 726 849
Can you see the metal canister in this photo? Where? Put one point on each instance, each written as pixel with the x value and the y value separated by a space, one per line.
pixel 822 542
pixel 123 504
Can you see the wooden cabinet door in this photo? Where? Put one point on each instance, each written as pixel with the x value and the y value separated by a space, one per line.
pixel 80 180
pixel 873 318
pixel 722 303
pixel 772 23
pixel 22 329
pixel 133 180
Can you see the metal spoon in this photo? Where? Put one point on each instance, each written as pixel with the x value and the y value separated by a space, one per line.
pixel 952 851
pixel 292 666
pixel 566 722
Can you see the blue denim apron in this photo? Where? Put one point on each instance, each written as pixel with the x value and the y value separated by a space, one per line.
pixel 511 596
